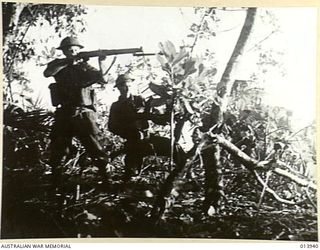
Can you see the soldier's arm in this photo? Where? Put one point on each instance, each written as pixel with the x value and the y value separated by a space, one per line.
pixel 121 123
pixel 94 75
pixel 55 66
pixel 91 76
pixel 104 68
pixel 112 123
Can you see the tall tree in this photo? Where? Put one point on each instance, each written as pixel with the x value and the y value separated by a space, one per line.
pixel 211 155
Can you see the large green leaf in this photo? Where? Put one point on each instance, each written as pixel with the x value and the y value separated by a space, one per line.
pixel 159 90
pixel 168 49
pixel 163 62
pixel 182 54
pixel 200 68
pixel 209 72
pixel 189 67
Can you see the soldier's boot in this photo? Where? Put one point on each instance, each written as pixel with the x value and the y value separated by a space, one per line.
pixel 101 163
pixel 133 163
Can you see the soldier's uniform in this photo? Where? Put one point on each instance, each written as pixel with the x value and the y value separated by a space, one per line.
pixel 126 121
pixel 75 115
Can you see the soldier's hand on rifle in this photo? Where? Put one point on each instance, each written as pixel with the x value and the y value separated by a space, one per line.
pixel 84 59
pixel 102 57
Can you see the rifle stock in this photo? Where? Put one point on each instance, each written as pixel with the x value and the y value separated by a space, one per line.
pixel 108 52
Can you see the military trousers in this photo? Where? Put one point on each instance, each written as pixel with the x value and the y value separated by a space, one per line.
pixel 79 123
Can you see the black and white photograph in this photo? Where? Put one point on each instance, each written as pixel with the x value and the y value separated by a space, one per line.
pixel 159 122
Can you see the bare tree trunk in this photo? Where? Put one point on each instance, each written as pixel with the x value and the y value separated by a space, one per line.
pixel 225 85
pixel 211 155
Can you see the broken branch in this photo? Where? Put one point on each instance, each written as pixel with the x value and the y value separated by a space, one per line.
pixel 253 164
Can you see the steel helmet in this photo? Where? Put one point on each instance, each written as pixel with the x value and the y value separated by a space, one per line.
pixel 122 80
pixel 69 41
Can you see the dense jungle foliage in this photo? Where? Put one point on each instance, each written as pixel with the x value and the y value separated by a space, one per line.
pixel 266 168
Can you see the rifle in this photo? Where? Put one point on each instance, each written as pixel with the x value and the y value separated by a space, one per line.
pixel 107 52
pixel 58 64
pixel 146 54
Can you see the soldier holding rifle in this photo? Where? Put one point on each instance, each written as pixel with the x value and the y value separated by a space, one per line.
pixel 129 119
pixel 74 97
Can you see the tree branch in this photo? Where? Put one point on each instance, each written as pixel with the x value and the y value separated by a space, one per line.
pixel 310 199
pixel 296 179
pixel 269 190
pixel 261 41
pixel 246 160
pixel 201 25
pixel 253 164
pixel 265 187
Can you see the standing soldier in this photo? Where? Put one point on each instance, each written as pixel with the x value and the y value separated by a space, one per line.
pixel 73 96
pixel 129 119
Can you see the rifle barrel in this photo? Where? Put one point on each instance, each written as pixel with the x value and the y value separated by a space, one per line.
pixel 147 54
pixel 109 52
